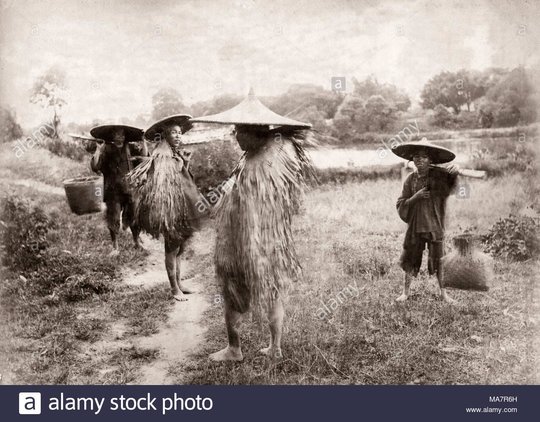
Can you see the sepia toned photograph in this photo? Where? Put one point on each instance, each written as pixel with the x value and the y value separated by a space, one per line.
pixel 249 192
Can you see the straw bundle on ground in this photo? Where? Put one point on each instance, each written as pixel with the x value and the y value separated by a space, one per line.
pixel 255 256
pixel 165 195
pixel 466 268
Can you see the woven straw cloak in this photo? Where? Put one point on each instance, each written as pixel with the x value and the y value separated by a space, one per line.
pixel 165 195
pixel 255 257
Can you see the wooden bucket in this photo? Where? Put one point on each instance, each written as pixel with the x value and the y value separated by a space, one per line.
pixel 84 194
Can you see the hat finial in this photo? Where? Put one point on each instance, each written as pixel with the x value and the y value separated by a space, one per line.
pixel 251 93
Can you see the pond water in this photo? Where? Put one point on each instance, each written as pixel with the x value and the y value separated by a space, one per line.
pixel 380 155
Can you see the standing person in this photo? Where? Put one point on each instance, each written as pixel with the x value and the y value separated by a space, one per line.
pixel 166 195
pixel 114 160
pixel 422 205
pixel 254 256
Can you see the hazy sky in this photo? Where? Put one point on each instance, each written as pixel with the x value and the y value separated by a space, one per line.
pixel 118 53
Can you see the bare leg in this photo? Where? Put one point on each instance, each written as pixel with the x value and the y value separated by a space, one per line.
pixel 275 319
pixel 406 288
pixel 182 288
pixel 444 294
pixel 112 216
pixel 232 351
pixel 171 250
pixel 135 231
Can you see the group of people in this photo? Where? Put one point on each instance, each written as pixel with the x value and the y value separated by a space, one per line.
pixel 255 258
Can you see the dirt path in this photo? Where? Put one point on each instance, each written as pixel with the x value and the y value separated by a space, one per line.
pixel 183 332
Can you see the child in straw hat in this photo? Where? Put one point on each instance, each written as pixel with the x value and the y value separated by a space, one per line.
pixel 422 205
pixel 166 195
pixel 254 255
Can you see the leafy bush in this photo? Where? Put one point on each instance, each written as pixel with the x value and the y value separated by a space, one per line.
pixel 66 148
pixel 213 162
pixel 514 237
pixel 9 128
pixel 45 270
pixel 442 117
pixel 24 234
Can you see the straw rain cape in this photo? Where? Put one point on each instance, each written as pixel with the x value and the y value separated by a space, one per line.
pixel 255 257
pixel 165 195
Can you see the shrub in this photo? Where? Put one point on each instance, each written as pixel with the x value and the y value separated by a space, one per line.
pixel 9 128
pixel 514 237
pixel 65 148
pixel 442 117
pixel 24 234
pixel 213 162
pixel 46 271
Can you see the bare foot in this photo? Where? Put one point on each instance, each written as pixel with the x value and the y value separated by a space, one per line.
pixel 272 352
pixel 179 296
pixel 229 353
pixel 402 298
pixel 448 299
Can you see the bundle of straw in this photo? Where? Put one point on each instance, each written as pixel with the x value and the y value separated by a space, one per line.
pixel 165 195
pixel 255 256
pixel 466 268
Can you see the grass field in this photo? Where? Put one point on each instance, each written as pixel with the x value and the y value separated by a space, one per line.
pixel 348 238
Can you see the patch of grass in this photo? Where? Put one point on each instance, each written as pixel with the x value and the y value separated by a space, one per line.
pixel 54 313
pixel 144 308
pixel 341 175
pixel 351 236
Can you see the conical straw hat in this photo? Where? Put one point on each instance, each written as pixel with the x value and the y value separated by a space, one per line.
pixel 438 154
pixel 105 132
pixel 154 132
pixel 251 112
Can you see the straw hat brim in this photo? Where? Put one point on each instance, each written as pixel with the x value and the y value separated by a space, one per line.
pixel 106 132
pixel 251 112
pixel 154 132
pixel 438 154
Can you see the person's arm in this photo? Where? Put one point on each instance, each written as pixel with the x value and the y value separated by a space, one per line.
pixel 407 199
pixel 186 157
pixel 96 162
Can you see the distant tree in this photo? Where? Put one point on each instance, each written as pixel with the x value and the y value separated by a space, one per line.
pixel 301 96
pixel 350 119
pixel 9 128
pixel 165 102
pixel 50 91
pixel 379 113
pixel 511 101
pixel 442 117
pixel 215 105
pixel 454 89
pixel 314 116
pixel 369 87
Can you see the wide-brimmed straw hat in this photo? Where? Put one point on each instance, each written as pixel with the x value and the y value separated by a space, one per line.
pixel 106 132
pixel 251 112
pixel 438 154
pixel 155 132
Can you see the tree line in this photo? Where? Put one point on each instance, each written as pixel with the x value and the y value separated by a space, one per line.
pixel 468 99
